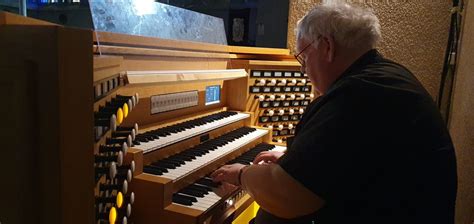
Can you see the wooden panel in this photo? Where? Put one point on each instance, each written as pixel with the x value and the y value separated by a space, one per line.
pixel 130 40
pixel 258 50
pixel 76 122
pixel 273 64
pixel 142 63
pixel 106 67
pixel 61 185
pixel 237 93
pixel 267 57
pixel 265 64
pixel 107 61
pixel 14 19
pixel 18 160
pixel 184 211
pixel 18 50
pixel 135 155
pixel 150 194
pixel 105 49
pixel 140 41
pixel 103 74
pixel 179 76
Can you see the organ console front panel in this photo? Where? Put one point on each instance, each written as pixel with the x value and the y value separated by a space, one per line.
pixel 126 129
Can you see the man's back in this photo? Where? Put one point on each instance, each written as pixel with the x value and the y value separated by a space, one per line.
pixel 374 147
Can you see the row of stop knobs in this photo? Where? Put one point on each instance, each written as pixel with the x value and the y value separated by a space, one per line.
pixel 291 111
pixel 109 160
pixel 114 202
pixel 273 97
pixel 113 175
pixel 272 82
pixel 112 114
pixel 281 127
pixel 114 207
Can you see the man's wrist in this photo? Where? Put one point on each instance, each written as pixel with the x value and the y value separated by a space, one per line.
pixel 241 170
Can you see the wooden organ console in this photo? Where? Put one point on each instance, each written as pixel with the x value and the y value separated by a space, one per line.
pixel 126 129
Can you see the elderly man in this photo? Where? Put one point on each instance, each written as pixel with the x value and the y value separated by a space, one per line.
pixel 371 149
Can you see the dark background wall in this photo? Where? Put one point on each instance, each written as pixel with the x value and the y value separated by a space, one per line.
pixel 265 21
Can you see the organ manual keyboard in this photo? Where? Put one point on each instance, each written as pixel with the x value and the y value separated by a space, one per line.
pixel 156 139
pixel 118 128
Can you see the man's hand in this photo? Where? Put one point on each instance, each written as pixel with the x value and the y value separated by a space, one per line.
pixel 267 157
pixel 228 173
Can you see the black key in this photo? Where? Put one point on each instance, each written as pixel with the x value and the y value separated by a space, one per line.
pixel 162 169
pixel 208 182
pixel 152 170
pixel 176 160
pixel 193 199
pixel 163 165
pixel 198 189
pixel 193 152
pixel 150 136
pixel 191 192
pixel 181 200
pixel 203 187
pixel 168 161
pixel 184 157
pixel 141 139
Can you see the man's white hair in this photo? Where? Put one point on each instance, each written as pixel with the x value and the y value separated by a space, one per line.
pixel 350 26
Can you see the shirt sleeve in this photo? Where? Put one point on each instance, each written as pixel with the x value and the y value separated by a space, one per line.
pixel 278 193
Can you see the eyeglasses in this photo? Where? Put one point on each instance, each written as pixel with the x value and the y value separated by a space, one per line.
pixel 298 56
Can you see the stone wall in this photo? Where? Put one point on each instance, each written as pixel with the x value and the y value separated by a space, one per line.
pixel 414 33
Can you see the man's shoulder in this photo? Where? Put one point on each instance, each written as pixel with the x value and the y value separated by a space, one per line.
pixel 383 77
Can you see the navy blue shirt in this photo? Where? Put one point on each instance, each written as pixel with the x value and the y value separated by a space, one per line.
pixel 375 149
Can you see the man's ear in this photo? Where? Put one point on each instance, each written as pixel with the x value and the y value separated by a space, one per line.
pixel 331 48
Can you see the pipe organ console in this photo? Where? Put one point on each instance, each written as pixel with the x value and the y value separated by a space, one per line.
pixel 127 129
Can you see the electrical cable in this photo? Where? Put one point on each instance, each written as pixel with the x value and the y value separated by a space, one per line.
pixel 451 50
